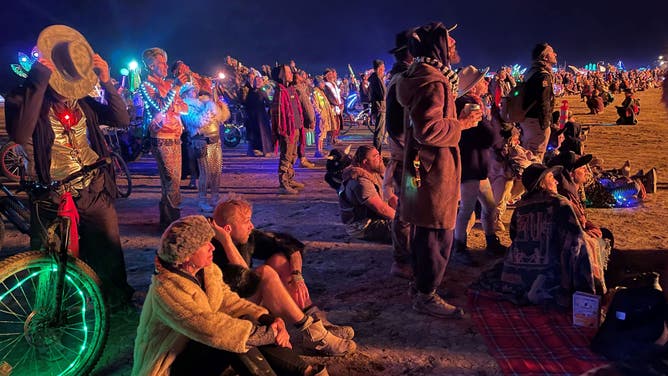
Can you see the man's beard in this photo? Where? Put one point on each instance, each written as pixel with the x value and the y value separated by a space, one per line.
pixel 453 55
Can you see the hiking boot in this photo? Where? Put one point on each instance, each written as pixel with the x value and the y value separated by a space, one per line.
pixel 315 337
pixel 649 180
pixel 306 163
pixel 287 191
pixel 433 305
pixel 341 331
pixel 296 185
pixel 401 270
pixel 494 245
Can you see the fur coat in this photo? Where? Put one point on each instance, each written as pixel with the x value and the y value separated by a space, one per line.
pixel 177 310
pixel 434 138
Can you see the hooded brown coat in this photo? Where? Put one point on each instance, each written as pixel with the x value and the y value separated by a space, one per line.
pixel 433 136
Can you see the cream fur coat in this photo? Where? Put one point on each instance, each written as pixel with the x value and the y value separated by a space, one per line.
pixel 177 310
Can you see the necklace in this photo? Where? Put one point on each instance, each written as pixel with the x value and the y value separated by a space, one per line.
pixel 149 103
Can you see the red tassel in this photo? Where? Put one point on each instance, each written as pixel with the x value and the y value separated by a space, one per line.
pixel 68 209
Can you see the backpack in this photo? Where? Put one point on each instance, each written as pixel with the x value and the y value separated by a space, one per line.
pixel 511 105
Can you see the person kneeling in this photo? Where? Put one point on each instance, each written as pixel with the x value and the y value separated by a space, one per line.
pixel 191 321
pixel 364 212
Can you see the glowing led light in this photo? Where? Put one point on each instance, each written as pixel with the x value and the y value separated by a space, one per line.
pixel 133 65
pixel 221 75
pixel 124 71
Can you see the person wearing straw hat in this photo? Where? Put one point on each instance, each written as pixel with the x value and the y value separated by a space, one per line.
pixel 474 148
pixel 52 110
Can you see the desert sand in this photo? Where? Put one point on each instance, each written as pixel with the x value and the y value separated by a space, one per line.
pixel 350 279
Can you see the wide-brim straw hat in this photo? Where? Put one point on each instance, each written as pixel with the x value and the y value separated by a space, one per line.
pixel 469 76
pixel 72 56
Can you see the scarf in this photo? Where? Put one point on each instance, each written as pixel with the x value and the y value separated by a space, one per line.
pixel 449 74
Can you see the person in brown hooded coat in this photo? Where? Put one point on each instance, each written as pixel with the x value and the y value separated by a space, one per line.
pixel 432 167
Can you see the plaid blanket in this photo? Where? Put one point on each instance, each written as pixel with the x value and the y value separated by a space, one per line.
pixel 532 340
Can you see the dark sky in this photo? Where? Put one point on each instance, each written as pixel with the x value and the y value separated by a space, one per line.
pixel 320 33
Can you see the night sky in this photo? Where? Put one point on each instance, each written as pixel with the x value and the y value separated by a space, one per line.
pixel 317 34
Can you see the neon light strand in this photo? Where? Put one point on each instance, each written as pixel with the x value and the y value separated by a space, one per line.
pixel 149 103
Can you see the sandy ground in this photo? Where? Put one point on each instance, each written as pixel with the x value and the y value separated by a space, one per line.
pixel 350 279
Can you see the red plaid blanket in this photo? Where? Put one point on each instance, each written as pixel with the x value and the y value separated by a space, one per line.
pixel 532 340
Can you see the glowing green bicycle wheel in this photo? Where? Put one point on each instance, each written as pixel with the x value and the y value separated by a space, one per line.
pixel 32 340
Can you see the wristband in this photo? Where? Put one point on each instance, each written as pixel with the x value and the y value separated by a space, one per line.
pixel 297 278
pixel 296 272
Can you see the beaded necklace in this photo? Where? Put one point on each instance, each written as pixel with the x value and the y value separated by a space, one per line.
pixel 149 103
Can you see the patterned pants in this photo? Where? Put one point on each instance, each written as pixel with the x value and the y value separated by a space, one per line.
pixel 167 153
pixel 210 171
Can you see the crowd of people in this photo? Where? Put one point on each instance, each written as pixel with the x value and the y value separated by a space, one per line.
pixel 208 307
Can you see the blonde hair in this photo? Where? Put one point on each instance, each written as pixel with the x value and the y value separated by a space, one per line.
pixel 229 209
pixel 150 54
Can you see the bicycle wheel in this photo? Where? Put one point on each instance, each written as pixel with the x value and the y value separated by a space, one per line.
pixel 122 173
pixel 347 123
pixel 10 161
pixel 33 341
pixel 231 135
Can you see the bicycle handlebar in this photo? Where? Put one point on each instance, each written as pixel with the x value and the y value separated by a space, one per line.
pixel 33 186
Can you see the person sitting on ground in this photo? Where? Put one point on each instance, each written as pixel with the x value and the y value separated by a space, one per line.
pixel 191 320
pixel 629 110
pixel 364 212
pixel 549 257
pixel 574 175
pixel 595 102
pixel 279 283
pixel 617 187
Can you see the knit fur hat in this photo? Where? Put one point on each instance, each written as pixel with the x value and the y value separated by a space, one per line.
pixel 183 237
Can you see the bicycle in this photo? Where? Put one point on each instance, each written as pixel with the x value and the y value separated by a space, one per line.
pixel 233 131
pixel 356 114
pixel 53 317
pixel 121 170
pixel 14 211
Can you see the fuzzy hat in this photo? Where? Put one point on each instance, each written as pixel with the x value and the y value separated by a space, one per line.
pixel 183 237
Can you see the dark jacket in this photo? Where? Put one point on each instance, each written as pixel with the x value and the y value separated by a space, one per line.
pixel 395 116
pixel 539 92
pixel 474 146
pixel 27 114
pixel 377 92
